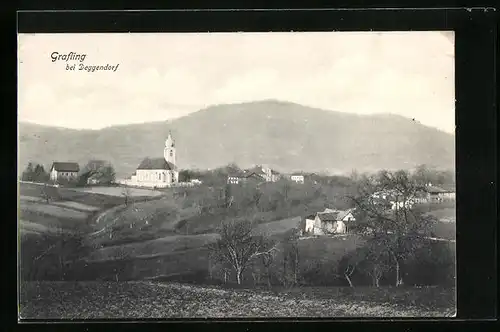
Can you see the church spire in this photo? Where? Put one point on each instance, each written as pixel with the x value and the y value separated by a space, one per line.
pixel 169 143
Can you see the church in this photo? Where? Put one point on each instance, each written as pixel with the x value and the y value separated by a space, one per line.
pixel 158 172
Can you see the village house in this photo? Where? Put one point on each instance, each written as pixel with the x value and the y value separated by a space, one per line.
pixel 328 221
pixel 195 181
pixel 439 194
pixel 267 173
pixel 64 171
pixel 257 173
pixel 237 177
pixel 298 178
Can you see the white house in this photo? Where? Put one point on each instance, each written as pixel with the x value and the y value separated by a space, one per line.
pixel 329 222
pixel 297 178
pixel 438 194
pixel 64 170
pixel 309 224
pixel 267 173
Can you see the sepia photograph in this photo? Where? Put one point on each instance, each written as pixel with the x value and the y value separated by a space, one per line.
pixel 236 175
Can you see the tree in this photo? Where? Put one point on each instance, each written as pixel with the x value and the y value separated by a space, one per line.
pixel 238 246
pixel 291 259
pixel 28 173
pixel 99 170
pixel 35 173
pixel 185 175
pixel 385 212
pixel 39 174
pixel 374 260
pixel 126 192
pixel 425 175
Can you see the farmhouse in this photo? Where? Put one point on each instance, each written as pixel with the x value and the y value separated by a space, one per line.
pixel 439 194
pixel 394 199
pixel 244 177
pixel 64 170
pixel 157 172
pixel 297 178
pixel 267 173
pixel 328 221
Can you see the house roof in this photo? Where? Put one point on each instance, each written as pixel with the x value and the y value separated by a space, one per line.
pixel 333 216
pixel 328 216
pixel 253 175
pixel 256 170
pixel 236 174
pixel 434 190
pixel 65 166
pixel 156 163
pixel 449 188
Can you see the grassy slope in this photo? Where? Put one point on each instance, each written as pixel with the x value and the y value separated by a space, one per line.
pixel 91 300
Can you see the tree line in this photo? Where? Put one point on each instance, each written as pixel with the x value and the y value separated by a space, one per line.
pixel 98 171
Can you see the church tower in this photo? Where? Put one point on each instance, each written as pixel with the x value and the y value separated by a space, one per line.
pixel 169 151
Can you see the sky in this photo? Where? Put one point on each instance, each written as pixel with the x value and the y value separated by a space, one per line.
pixel 168 75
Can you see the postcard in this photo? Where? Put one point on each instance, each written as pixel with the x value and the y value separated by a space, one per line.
pixel 236 175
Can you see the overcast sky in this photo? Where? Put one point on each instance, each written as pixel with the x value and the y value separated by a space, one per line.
pixel 162 76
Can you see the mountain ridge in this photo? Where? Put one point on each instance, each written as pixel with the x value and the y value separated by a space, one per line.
pixel 283 135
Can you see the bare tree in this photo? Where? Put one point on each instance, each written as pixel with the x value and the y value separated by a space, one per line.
pixel 100 170
pixel 238 246
pixel 126 193
pixel 291 259
pixel 121 255
pixel 385 211
pixel 349 270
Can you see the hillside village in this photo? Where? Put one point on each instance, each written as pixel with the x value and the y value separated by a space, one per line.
pixel 162 173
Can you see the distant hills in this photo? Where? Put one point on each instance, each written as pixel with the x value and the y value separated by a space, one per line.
pixel 283 135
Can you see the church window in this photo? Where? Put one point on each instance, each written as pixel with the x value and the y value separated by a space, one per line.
pixel 159 176
pixel 171 153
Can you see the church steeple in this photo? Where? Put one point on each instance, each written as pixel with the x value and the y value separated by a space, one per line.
pixel 170 143
pixel 169 151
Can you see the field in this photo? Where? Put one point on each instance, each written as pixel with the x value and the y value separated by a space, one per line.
pixel 279 226
pixel 165 237
pixel 444 230
pixel 445 215
pixel 164 245
pixel 114 300
pixel 53 210
pixel 119 191
pixel 71 208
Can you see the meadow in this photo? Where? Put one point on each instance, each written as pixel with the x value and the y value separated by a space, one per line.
pixel 118 191
pixel 164 238
pixel 115 300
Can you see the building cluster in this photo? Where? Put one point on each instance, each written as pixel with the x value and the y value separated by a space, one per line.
pixel 428 194
pixel 331 221
pixel 261 174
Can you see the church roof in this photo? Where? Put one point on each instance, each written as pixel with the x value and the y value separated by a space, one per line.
pixel 156 163
pixel 65 166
